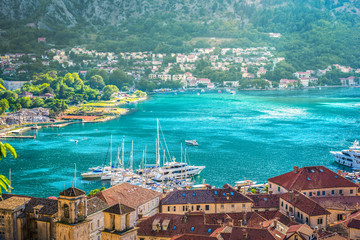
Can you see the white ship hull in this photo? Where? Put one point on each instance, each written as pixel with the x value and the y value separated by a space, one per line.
pixel 179 173
pixel 349 158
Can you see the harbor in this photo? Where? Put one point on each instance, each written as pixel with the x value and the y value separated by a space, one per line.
pixel 269 132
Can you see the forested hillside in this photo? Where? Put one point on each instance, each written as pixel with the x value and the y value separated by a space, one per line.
pixel 314 33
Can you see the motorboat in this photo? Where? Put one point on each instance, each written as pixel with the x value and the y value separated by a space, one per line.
pixel 177 170
pixel 349 157
pixel 95 173
pixel 191 142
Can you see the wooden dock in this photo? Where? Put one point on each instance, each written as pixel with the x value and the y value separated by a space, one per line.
pixel 18 137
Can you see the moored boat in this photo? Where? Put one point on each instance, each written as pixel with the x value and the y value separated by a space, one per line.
pixel 191 142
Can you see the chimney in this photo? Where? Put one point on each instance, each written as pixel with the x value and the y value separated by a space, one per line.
pixel 245 235
pixel 290 196
pixel 296 169
pixel 339 172
pixel 297 197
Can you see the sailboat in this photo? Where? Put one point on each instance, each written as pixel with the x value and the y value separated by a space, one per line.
pixel 172 170
pixel 98 172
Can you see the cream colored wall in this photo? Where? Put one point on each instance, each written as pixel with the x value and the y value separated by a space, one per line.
pixel 131 235
pixel 78 231
pixel 43 230
pixel 354 233
pixel 213 208
pixel 346 192
pixel 149 209
pixel 274 188
pixel 332 218
pixel 312 220
pixel 152 238
pixel 97 221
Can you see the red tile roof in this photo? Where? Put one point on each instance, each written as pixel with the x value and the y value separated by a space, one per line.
pixel 265 200
pixel 350 203
pixel 72 192
pixel 218 195
pixel 308 178
pixel 127 194
pixel 304 203
pixel 239 233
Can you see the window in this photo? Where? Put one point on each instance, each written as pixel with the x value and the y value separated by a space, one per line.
pixel 98 223
pixel 298 215
pixel 2 220
pixel 339 217
pixel 197 207
pixel 286 206
pixel 243 205
pixel 232 205
pixel 66 211
pixel 307 220
pixel 310 194
pixel 301 216
pixel 304 193
pixel 222 206
pixel 351 191
pixel 168 208
pixel 174 208
pixel 2 235
pixel 282 203
pixel 291 209
pixel 340 191
pixel 278 189
pixel 270 185
pixel 207 207
pixel 320 221
pixel 296 237
pixel 318 193
pixel 183 208
pixel 323 193
pixel 332 192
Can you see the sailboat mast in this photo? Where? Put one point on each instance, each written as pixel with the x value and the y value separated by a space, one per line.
pixel 10 180
pixel 181 154
pixel 158 144
pixel 118 156
pixel 145 156
pixel 75 175
pixel 131 155
pixel 123 151
pixel 111 151
pixel 164 158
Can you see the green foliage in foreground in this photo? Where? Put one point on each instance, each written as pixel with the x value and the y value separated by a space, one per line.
pixel 95 191
pixel 4 182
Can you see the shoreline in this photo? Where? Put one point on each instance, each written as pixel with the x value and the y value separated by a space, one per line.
pixel 18 130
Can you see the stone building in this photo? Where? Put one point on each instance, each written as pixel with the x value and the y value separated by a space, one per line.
pixel 72 215
pixel 144 201
pixel 217 200
pixel 119 223
pixel 316 181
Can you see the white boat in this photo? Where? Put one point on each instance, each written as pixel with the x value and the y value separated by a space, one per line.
pixel 95 173
pixel 176 170
pixel 98 172
pixel 349 157
pixel 245 183
pixel 191 142
pixel 232 92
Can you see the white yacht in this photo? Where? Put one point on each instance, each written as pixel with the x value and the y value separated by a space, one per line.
pixel 177 170
pixel 95 173
pixel 349 157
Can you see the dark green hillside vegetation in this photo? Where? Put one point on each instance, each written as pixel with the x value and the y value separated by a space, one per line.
pixel 315 34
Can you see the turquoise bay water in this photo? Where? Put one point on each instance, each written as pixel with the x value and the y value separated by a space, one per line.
pixel 253 135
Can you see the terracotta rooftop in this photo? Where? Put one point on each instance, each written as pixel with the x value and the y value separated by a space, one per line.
pixel 72 192
pixel 95 205
pixel 240 233
pixel 218 195
pixel 127 194
pixel 308 178
pixel 13 202
pixel 350 203
pixel 304 203
pixel 119 209
pixel 354 223
pixel 265 200
pixel 192 224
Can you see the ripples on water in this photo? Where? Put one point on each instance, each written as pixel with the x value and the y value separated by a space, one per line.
pixel 254 135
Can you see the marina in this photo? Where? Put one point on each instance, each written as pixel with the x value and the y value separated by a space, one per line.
pixel 253 135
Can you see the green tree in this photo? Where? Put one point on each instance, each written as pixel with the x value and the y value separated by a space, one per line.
pixel 108 91
pixel 25 102
pixel 97 82
pixel 37 102
pixel 4 105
